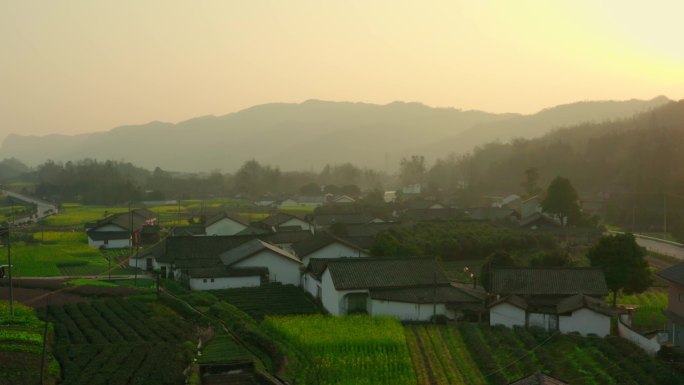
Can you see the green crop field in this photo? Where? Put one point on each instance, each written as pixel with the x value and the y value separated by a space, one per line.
pixel 21 345
pixel 75 214
pixel 271 299
pixel 470 354
pixel 61 253
pixel 650 309
pixel 119 342
pixel 345 350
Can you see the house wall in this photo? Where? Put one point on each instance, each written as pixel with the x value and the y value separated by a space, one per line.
pixel 297 222
pixel 541 320
pixel 332 299
pixel 112 244
pixel 311 284
pixel 585 321
pixel 507 315
pixel 225 226
pixel 280 269
pixel 224 283
pixel 334 250
pixel 675 296
pixel 406 311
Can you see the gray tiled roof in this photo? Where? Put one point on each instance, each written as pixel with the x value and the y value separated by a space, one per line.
pixel 345 218
pixel 549 281
pixel 319 241
pixel 673 273
pixel 247 249
pixel 232 216
pixel 376 273
pixel 279 218
pixel 108 235
pixel 181 249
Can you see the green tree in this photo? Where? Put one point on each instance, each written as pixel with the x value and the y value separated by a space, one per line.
pixel 498 259
pixel 561 200
pixel 624 263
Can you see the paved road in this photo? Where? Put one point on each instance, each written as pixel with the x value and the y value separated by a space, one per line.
pixel 658 246
pixel 43 208
pixel 661 247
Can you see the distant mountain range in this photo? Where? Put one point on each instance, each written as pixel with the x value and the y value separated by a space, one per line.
pixel 308 135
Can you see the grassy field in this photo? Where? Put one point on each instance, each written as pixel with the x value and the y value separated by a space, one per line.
pixel 345 350
pixel 223 348
pixel 62 253
pixel 75 214
pixel 21 344
pixel 649 314
pixel 483 355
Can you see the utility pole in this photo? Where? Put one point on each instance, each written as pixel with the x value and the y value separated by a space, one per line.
pixel 434 299
pixel 664 215
pixel 9 269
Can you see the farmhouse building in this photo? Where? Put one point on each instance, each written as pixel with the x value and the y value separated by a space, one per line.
pixel 225 223
pixel 674 275
pixel 120 230
pixel 326 245
pixel 285 222
pixel 411 289
pixel 555 299
pixel 323 221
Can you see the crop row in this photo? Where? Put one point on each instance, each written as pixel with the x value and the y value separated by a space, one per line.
pixel 471 354
pixel 345 350
pixel 112 321
pixel 114 364
pixel 273 299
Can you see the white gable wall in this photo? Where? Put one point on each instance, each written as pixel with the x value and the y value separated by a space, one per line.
pixel 280 269
pixel 225 226
pixel 311 284
pixel 224 283
pixel 334 250
pixel 506 314
pixel 111 244
pixel 110 227
pixel 585 321
pixel 406 311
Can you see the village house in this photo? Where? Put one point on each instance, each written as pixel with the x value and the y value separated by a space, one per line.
pixel 341 199
pixel 285 222
pixel 411 289
pixel 555 299
pixel 323 221
pixel 225 223
pixel 674 275
pixel 121 230
pixel 326 245
pixel 303 201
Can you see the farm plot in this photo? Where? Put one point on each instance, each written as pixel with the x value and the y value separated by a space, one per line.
pixel 271 299
pixel 21 344
pixel 118 342
pixel 470 354
pixel 344 350
pixel 75 214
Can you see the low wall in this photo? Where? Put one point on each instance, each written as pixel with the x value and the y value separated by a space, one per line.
pixel 650 345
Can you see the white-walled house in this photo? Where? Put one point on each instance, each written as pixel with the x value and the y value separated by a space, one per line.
pixel 120 230
pixel 326 245
pixel 245 265
pixel 411 289
pixel 225 224
pixel 285 222
pixel 555 299
pixel 578 313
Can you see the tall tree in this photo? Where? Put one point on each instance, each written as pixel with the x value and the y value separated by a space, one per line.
pixel 530 184
pixel 561 200
pixel 624 263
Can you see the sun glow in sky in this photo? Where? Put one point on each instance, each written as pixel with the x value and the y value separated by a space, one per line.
pixel 80 66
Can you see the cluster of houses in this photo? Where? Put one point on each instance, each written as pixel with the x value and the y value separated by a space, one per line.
pixel 227 251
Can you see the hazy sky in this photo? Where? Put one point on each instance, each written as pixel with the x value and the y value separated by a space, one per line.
pixel 79 66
